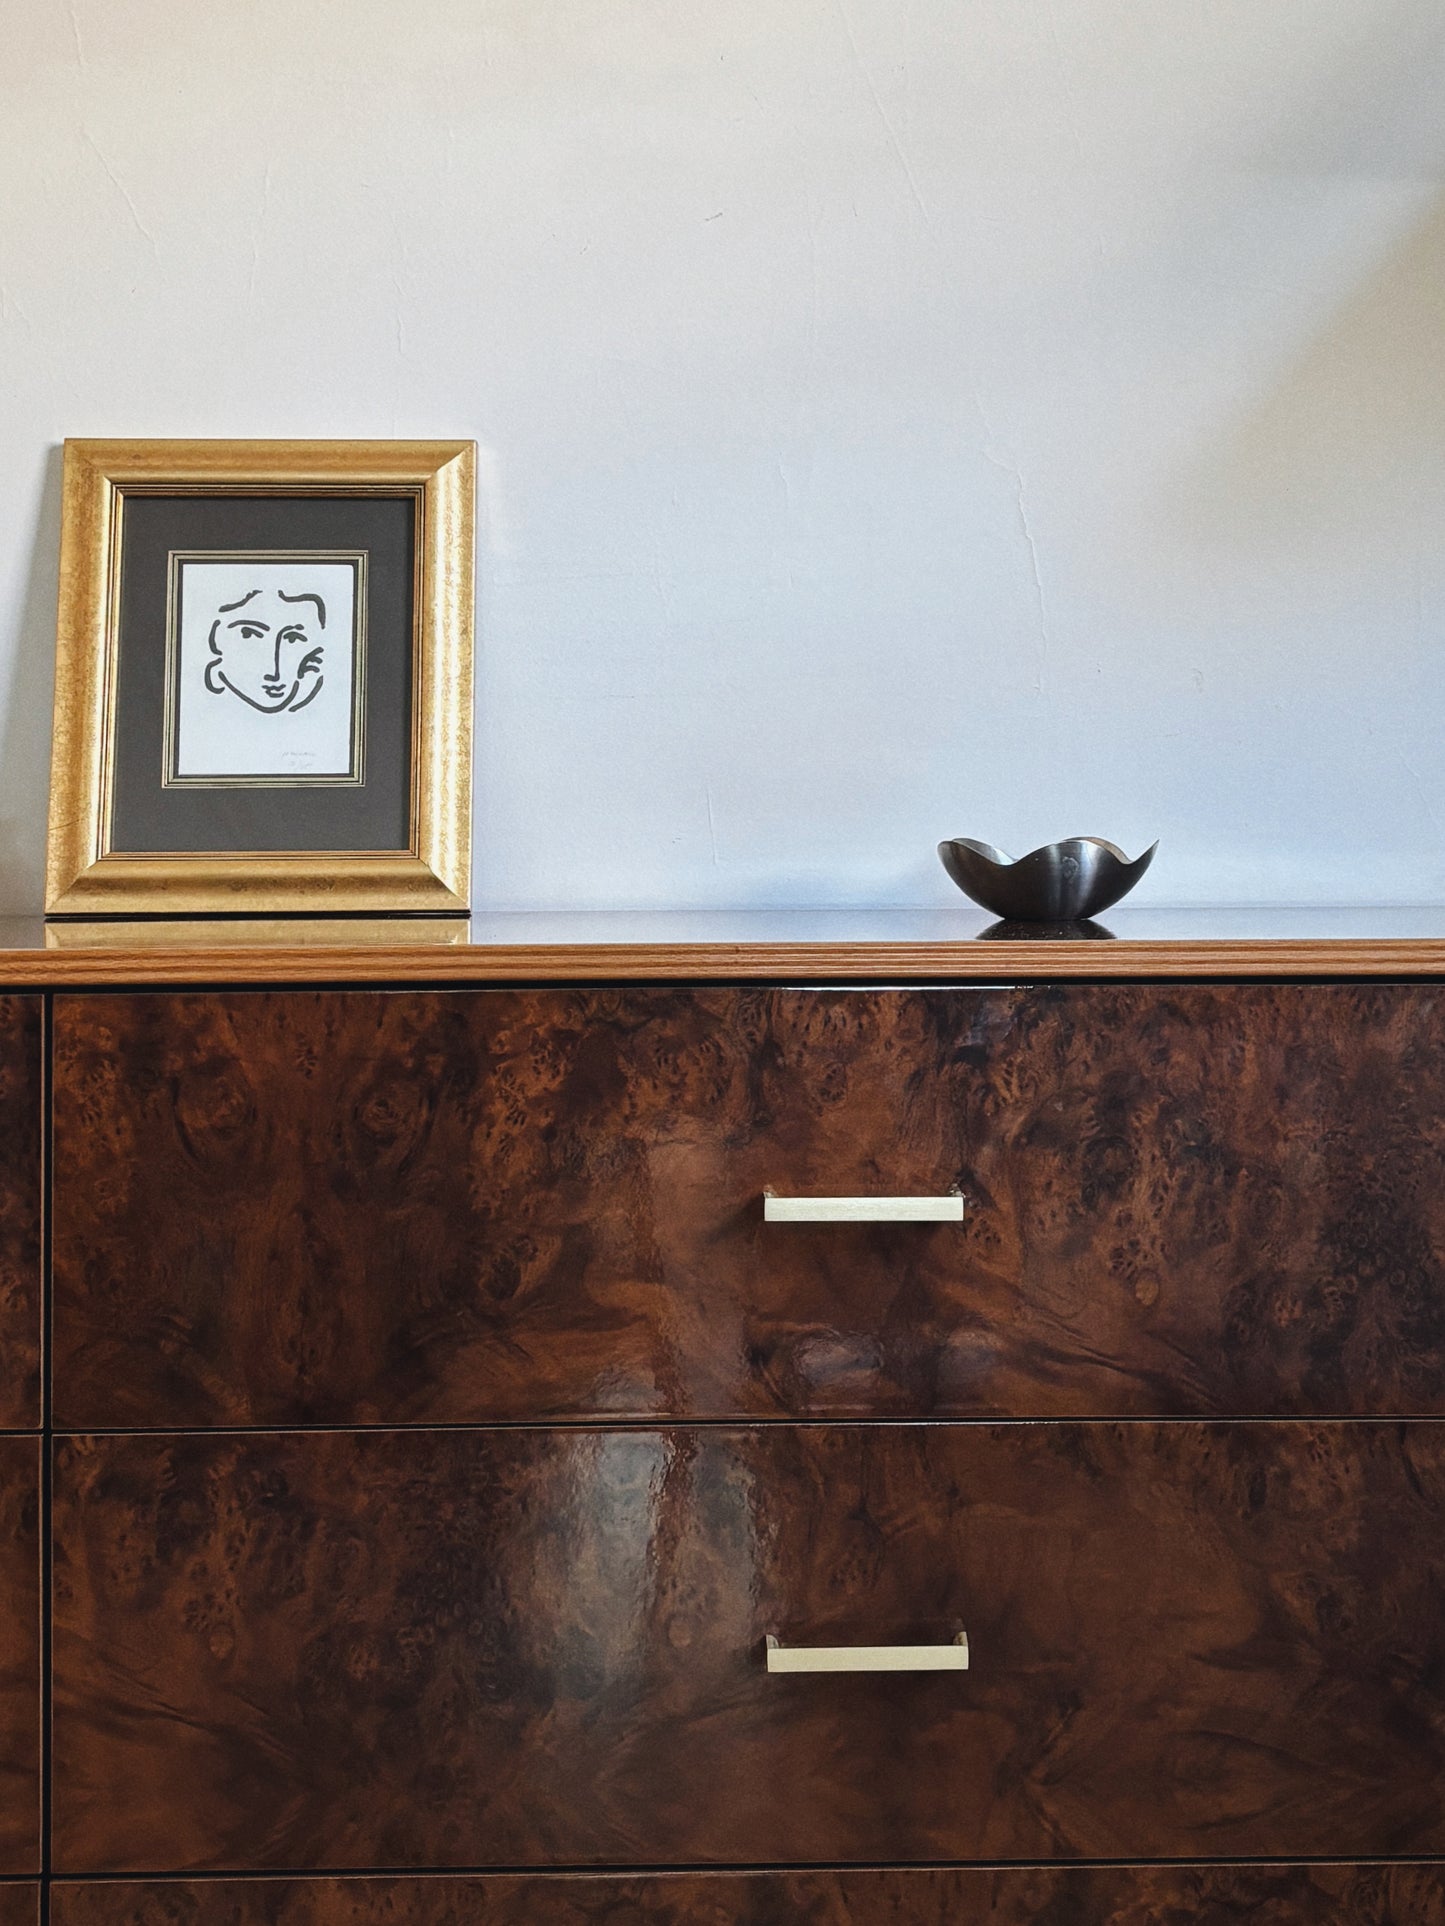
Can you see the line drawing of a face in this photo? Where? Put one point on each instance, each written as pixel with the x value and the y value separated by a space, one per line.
pixel 266 649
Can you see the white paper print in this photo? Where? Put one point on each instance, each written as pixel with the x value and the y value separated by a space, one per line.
pixel 263 670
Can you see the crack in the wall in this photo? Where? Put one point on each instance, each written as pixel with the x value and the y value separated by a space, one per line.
pixel 120 187
pixel 1426 804
pixel 884 117
pixel 1031 547
pixel 1021 508
pixel 10 305
pixel 787 485
pixel 399 318
pixel 258 220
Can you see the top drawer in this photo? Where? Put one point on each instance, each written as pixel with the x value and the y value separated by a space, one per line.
pixel 352 1207
pixel 21 1131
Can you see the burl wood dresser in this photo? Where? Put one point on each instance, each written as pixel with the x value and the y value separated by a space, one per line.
pixel 462 1465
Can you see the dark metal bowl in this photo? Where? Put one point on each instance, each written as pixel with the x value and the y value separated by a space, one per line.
pixel 1060 883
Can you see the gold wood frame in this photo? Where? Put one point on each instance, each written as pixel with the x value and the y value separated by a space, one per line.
pixel 83 876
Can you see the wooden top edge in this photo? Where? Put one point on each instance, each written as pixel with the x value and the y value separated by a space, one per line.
pixel 136 965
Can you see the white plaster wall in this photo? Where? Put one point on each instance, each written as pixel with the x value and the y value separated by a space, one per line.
pixel 901 417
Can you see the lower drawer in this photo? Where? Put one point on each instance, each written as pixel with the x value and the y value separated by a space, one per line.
pixel 546 1648
pixel 1117 1896
pixel 20 1672
pixel 20 1902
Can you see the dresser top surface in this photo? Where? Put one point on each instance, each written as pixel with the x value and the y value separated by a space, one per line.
pixel 944 945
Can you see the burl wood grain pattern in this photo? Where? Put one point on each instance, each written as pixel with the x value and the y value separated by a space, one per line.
pixel 545 1648
pixel 1113 1896
pixel 20 1149
pixel 293 1207
pixel 20 1903
pixel 19 1655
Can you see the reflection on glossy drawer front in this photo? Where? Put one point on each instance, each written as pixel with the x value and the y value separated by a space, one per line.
pixel 19 1655
pixel 1115 1896
pixel 20 1140
pixel 528 1647
pixel 288 1207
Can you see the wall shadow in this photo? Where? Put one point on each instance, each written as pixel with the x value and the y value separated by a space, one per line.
pixel 25 734
pixel 1341 465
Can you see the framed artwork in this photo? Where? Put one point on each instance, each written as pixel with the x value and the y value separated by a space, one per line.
pixel 263 679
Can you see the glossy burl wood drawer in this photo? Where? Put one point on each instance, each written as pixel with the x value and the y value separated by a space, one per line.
pixel 1336 1895
pixel 21 1137
pixel 20 1676
pixel 354 1207
pixel 323 1650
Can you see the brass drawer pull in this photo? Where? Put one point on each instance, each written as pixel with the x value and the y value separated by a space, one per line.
pixel 862 1210
pixel 868 1658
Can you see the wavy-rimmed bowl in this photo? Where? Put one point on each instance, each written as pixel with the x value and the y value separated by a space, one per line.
pixel 1059 883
